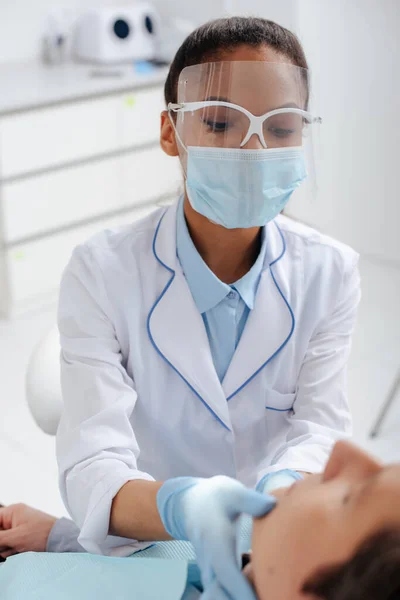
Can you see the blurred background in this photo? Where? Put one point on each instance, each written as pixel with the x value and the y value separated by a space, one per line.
pixel 81 89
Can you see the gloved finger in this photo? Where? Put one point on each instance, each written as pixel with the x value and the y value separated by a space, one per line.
pixel 214 592
pixel 250 502
pixel 207 574
pixel 238 587
pixel 228 574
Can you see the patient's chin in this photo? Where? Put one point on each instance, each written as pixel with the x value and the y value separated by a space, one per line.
pixel 248 572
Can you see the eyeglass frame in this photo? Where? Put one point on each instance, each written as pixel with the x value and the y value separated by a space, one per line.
pixel 256 122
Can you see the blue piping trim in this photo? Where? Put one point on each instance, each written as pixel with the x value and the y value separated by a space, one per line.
pixel 149 330
pixel 292 328
pixel 283 246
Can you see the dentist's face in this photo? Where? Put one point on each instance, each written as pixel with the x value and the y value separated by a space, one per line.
pixel 321 521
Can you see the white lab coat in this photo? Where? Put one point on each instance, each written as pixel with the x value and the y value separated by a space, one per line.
pixel 141 395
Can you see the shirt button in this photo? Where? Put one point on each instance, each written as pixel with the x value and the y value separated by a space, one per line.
pixel 231 295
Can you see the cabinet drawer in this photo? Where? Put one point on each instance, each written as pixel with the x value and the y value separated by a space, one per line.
pixel 140 117
pixel 35 268
pixel 53 136
pixel 57 199
pixel 149 175
pixel 69 133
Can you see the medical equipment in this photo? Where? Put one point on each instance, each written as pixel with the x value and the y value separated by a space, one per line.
pixel 171 34
pixel 390 399
pixel 55 39
pixel 206 511
pixel 109 35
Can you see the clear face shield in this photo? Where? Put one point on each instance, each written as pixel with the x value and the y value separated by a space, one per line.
pixel 243 113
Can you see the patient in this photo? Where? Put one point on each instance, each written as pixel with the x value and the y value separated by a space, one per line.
pixel 334 536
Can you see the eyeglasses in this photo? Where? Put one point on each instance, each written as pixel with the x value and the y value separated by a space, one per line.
pixel 234 125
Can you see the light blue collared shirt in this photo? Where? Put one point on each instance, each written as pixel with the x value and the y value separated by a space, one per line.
pixel 224 308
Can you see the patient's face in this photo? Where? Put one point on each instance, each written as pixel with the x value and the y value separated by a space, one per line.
pixel 322 520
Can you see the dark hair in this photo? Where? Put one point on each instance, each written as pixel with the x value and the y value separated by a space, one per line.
pixel 224 35
pixel 373 573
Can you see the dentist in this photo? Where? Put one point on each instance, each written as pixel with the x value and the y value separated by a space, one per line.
pixel 204 348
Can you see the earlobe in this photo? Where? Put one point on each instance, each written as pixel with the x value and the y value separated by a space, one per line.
pixel 167 135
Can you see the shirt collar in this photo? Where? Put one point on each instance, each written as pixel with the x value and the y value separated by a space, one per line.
pixel 207 290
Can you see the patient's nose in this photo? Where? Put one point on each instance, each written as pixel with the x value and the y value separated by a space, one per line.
pixel 347 459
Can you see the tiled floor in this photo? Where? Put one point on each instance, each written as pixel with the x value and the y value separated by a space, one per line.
pixel 28 471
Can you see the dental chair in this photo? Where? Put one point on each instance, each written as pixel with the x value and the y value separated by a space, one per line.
pixel 43 386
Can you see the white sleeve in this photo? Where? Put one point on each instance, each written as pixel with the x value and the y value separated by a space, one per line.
pixel 96 446
pixel 321 412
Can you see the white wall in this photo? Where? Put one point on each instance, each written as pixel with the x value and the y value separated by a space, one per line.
pixel 283 11
pixel 354 50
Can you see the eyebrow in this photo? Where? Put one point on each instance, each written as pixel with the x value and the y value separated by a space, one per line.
pixel 217 98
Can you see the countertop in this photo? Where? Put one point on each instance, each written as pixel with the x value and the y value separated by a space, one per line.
pixel 32 85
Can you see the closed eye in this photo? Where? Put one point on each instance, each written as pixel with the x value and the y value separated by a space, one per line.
pixel 216 126
pixel 280 132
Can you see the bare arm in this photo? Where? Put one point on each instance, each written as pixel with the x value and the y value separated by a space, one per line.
pixel 134 512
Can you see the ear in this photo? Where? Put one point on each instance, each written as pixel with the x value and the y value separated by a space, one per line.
pixel 167 136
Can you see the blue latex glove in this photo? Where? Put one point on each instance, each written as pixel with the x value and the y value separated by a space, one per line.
pixel 206 513
pixel 280 479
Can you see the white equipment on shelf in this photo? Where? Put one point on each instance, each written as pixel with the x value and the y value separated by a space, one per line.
pixel 112 35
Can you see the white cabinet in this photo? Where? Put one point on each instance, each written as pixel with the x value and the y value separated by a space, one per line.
pixel 68 171
pixel 49 137
pixel 150 174
pixel 54 136
pixel 139 117
pixel 57 199
pixel 35 268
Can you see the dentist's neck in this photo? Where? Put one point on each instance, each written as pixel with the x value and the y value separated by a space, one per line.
pixel 229 253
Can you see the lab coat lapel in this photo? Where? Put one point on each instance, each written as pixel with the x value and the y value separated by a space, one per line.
pixel 176 327
pixel 270 324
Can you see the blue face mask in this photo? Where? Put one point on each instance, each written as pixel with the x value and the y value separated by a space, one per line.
pixel 242 188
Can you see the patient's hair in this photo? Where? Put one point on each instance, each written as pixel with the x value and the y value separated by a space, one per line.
pixel 221 36
pixel 373 573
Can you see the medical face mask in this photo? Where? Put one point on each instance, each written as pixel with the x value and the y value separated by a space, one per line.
pixel 239 188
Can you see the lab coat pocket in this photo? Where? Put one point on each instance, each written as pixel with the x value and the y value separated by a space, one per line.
pixel 277 421
pixel 279 402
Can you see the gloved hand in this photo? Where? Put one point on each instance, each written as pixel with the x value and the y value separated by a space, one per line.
pixel 206 512
pixel 280 479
